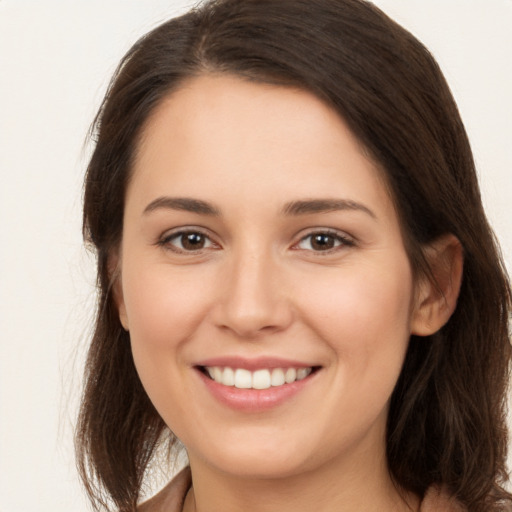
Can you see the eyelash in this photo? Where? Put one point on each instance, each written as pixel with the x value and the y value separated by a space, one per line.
pixel 340 241
pixel 166 241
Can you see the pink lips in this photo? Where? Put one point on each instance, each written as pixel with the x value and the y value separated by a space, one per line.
pixel 253 400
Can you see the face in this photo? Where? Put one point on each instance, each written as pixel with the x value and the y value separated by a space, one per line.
pixel 264 280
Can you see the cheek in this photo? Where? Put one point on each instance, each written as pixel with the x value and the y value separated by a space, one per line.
pixel 364 317
pixel 164 310
pixel 164 307
pixel 364 299
pixel 363 314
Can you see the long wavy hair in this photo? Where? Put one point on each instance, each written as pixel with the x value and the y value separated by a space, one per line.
pixel 447 418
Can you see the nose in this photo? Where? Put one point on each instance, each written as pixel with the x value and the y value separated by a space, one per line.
pixel 254 298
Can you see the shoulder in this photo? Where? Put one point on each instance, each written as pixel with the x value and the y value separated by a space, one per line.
pixel 171 497
pixel 437 500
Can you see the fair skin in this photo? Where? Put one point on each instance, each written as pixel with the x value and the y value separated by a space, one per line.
pixel 258 235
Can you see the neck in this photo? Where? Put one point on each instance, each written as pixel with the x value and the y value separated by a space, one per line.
pixel 332 488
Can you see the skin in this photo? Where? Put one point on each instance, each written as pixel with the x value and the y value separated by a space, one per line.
pixel 258 286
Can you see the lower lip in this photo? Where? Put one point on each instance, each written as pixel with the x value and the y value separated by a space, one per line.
pixel 255 400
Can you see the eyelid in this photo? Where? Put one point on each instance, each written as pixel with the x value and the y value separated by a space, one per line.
pixel 164 240
pixel 341 236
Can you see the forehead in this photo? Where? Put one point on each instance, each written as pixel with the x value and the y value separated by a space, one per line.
pixel 220 100
pixel 226 132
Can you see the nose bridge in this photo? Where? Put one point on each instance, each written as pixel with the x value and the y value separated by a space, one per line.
pixel 254 299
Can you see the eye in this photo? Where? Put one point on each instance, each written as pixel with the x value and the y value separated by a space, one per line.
pixel 187 241
pixel 323 241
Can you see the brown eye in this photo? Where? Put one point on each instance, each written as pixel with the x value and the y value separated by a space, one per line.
pixel 323 241
pixel 187 241
pixel 192 241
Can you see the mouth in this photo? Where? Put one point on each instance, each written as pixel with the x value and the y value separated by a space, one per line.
pixel 260 379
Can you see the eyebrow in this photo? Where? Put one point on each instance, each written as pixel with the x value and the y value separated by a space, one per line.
pixel 182 203
pixel 293 208
pixel 308 206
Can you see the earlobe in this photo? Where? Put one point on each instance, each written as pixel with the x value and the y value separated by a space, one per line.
pixel 114 269
pixel 436 298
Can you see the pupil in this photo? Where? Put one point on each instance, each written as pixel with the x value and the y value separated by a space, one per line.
pixel 193 241
pixel 323 242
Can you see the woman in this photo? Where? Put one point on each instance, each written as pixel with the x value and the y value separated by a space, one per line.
pixel 297 278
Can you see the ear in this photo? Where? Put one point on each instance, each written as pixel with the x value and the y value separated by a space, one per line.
pixel 436 299
pixel 114 270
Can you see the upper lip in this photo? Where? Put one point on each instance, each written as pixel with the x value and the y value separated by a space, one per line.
pixel 253 364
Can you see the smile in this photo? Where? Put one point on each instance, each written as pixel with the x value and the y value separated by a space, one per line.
pixel 242 378
pixel 255 385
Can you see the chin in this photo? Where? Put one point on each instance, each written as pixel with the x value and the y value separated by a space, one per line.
pixel 259 469
pixel 257 461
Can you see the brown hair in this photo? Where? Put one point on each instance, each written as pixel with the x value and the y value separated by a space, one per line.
pixel 447 417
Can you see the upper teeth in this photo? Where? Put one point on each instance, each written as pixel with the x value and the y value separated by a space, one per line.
pixel 259 379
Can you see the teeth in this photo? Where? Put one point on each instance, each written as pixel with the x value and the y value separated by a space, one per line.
pixel 302 373
pixel 243 379
pixel 217 374
pixel 259 379
pixel 277 378
pixel 228 377
pixel 290 375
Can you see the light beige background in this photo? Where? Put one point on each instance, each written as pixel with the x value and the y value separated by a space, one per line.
pixel 55 61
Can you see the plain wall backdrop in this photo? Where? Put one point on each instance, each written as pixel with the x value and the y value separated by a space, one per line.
pixel 56 58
